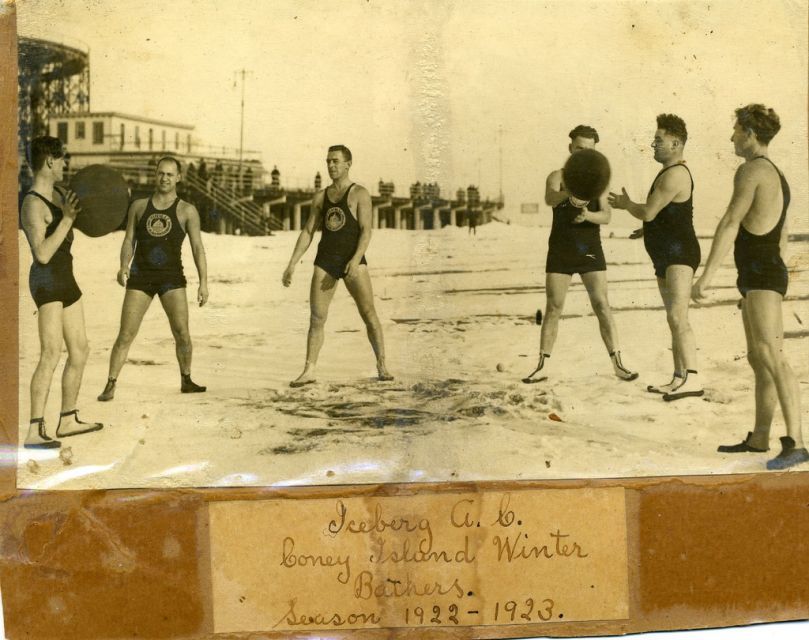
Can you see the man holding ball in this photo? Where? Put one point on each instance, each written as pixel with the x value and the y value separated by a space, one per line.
pixel 47 217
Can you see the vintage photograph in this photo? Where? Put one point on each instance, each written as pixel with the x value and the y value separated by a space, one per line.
pixel 289 243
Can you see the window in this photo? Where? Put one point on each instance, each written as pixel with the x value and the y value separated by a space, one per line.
pixel 176 139
pixel 151 139
pixel 163 139
pixel 137 137
pixel 98 133
pixel 123 135
pixel 80 130
pixel 188 141
pixel 61 131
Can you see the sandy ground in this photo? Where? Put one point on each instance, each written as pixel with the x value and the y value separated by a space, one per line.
pixel 453 307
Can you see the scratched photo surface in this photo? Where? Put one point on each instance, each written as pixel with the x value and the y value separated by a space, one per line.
pixel 455 114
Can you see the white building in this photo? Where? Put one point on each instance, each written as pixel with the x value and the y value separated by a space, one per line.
pixel 113 137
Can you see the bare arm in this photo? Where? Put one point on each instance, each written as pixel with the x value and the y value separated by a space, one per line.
pixel 128 245
pixel 603 216
pixel 365 221
pixel 783 242
pixel 305 238
pixel 34 213
pixel 554 190
pixel 745 183
pixel 192 228
pixel 667 188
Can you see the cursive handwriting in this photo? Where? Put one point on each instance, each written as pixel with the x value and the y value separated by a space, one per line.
pixel 365 588
pixel 387 551
pixel 378 523
pixel 289 559
pixel 518 549
pixel 293 619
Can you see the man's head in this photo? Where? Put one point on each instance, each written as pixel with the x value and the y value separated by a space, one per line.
pixel 167 174
pixel 582 137
pixel 755 126
pixel 670 137
pixel 46 154
pixel 338 161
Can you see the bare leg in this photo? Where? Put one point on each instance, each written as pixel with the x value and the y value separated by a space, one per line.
pixel 77 352
pixel 134 308
pixel 679 366
pixel 763 312
pixel 556 285
pixel 678 285
pixel 175 304
pixel 321 293
pixel 50 342
pixel 359 286
pixel 596 284
pixel 766 395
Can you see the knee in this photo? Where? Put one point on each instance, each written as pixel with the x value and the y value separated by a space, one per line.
pixel 767 357
pixel 79 352
pixel 368 315
pixel 125 338
pixel 182 336
pixel 49 357
pixel 317 319
pixel 553 308
pixel 678 319
pixel 601 307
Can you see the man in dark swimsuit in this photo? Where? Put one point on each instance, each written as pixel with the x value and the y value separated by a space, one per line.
pixel 574 246
pixel 155 230
pixel 756 218
pixel 47 218
pixel 670 240
pixel 343 213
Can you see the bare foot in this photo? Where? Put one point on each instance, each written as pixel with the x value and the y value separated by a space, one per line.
pixel 307 377
pixel 382 372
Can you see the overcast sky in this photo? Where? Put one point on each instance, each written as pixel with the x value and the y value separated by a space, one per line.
pixel 420 89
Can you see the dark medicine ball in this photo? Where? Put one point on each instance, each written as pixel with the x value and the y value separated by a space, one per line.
pixel 103 198
pixel 586 174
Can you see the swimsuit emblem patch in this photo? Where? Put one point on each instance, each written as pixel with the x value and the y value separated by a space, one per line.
pixel 335 219
pixel 158 225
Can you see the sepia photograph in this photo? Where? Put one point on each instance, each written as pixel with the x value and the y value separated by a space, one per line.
pixel 291 243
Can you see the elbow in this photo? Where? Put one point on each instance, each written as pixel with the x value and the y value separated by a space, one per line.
pixel 42 257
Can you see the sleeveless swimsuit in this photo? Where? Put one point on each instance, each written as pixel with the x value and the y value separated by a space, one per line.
pixel 339 237
pixel 574 248
pixel 670 238
pixel 157 266
pixel 54 281
pixel 758 257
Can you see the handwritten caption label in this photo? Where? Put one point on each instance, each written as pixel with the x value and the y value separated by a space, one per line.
pixel 446 560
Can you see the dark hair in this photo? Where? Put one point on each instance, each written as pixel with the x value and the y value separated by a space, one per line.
pixel 43 147
pixel 170 159
pixel 584 131
pixel 763 122
pixel 342 149
pixel 673 125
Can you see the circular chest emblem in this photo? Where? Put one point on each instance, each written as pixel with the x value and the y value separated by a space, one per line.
pixel 158 225
pixel 335 219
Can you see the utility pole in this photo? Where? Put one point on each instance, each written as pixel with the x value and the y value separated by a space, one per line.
pixel 500 137
pixel 243 72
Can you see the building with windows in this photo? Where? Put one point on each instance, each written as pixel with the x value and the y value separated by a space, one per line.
pixel 100 137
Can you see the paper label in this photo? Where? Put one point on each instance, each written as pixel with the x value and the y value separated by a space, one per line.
pixel 450 560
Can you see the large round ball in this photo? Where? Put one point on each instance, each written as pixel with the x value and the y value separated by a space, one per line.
pixel 586 174
pixel 103 198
